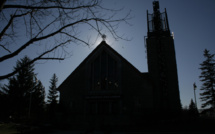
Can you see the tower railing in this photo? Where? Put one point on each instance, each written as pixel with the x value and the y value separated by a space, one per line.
pixel 157 23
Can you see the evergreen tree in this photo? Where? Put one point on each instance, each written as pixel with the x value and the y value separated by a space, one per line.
pixel 38 97
pixel 192 105
pixel 193 112
pixel 25 93
pixel 208 80
pixel 3 105
pixel 52 96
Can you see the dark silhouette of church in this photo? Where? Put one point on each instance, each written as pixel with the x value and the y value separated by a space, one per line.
pixel 105 89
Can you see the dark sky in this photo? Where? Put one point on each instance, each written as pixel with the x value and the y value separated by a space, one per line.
pixel 191 21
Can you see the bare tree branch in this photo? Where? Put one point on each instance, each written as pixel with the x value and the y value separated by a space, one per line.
pixel 40 57
pixel 5 48
pixel 41 38
pixel 49 7
pixel 53 25
pixel 2 4
pixel 10 22
pixel 46 58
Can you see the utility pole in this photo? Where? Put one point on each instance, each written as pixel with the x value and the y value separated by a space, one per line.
pixel 194 88
pixel 29 109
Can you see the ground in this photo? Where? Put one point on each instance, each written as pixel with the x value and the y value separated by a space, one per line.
pixel 11 128
pixel 8 128
pixel 197 126
pixel 100 132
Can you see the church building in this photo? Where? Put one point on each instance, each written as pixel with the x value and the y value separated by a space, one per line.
pixel 106 89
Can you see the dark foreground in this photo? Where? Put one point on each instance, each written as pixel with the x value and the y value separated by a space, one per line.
pixel 198 126
pixel 100 132
pixel 11 129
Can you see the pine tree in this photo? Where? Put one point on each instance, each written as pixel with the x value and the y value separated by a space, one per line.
pixel 193 112
pixel 208 80
pixel 52 96
pixel 4 114
pixel 23 90
pixel 38 97
pixel 192 105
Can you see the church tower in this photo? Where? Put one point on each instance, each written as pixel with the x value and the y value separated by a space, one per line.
pixel 162 62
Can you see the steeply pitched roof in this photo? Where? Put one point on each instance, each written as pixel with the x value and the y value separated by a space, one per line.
pixel 102 45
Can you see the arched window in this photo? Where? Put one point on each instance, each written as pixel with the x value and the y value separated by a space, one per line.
pixel 103 73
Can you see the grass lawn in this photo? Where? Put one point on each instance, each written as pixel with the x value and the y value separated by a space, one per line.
pixel 8 128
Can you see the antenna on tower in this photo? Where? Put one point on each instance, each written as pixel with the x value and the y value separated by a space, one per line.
pixel 156 6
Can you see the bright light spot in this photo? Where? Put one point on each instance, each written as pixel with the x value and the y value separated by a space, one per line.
pixel 97 42
pixel 173 35
pixel 99 39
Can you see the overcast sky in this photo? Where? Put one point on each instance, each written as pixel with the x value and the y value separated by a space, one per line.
pixel 191 21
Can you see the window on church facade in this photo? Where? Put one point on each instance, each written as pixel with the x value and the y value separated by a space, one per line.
pixel 103 73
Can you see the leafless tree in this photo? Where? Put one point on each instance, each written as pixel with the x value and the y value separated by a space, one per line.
pixel 52 25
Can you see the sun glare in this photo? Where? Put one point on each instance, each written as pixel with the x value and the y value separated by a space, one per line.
pixel 99 39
